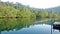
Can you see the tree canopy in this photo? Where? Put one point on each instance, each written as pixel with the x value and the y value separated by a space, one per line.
pixel 10 9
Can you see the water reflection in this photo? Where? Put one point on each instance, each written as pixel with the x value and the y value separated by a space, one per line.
pixel 8 24
pixel 56 25
pixel 26 26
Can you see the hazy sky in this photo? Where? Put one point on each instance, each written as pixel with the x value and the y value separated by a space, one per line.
pixel 38 3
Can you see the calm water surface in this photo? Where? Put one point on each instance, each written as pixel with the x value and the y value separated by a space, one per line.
pixel 27 26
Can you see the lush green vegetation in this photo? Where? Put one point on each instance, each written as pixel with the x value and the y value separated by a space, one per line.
pixel 10 9
pixel 10 24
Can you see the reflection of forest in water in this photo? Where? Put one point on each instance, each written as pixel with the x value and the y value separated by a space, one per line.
pixel 13 23
pixel 7 24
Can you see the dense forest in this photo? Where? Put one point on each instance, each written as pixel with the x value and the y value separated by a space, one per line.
pixel 10 9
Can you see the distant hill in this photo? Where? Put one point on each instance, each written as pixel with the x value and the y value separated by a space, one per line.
pixel 54 8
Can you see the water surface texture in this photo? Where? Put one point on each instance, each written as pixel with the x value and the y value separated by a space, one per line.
pixel 27 26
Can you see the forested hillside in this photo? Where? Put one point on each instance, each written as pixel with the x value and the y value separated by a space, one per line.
pixel 10 9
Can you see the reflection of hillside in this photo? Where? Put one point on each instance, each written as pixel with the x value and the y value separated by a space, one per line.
pixel 10 24
pixel 7 24
pixel 57 19
pixel 44 21
pixel 24 22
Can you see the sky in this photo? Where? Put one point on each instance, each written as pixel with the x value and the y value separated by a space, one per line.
pixel 38 3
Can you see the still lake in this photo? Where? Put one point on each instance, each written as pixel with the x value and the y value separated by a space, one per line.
pixel 27 26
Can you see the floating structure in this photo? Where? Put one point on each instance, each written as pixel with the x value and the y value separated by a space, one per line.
pixel 56 25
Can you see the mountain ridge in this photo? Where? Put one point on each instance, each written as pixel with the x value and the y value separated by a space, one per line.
pixel 54 9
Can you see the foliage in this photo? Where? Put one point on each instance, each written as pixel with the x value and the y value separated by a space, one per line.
pixel 10 9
